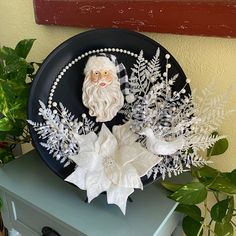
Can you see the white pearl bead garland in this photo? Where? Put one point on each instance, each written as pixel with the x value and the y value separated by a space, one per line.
pixel 70 64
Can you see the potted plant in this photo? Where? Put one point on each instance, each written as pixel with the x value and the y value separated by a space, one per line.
pixel 15 77
pixel 207 183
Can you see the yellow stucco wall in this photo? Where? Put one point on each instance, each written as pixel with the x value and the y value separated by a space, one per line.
pixel 202 58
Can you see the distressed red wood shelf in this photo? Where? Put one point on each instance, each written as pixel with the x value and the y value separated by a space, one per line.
pixel 190 17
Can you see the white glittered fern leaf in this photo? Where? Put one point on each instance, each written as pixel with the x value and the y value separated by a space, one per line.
pixel 60 130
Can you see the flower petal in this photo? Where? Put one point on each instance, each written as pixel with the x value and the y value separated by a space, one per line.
pixel 96 183
pixel 123 134
pixel 77 177
pixel 145 161
pixel 118 195
pixel 88 160
pixel 87 142
pixel 106 143
pixel 130 178
pixel 126 154
pixel 112 170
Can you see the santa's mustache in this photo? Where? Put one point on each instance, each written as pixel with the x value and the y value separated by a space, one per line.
pixel 103 83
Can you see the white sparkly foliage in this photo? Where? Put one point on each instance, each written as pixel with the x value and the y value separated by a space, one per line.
pixel 60 131
pixel 173 115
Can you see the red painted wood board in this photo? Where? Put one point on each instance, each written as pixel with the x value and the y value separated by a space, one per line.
pixel 190 17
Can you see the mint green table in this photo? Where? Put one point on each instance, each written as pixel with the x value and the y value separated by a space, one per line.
pixel 34 197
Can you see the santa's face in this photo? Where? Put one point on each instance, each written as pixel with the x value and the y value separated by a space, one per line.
pixel 101 89
pixel 102 96
pixel 102 78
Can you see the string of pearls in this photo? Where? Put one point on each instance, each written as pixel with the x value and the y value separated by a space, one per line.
pixel 77 59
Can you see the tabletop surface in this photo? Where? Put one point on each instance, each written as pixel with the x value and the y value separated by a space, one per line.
pixel 30 179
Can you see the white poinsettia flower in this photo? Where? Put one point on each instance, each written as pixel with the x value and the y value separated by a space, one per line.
pixel 111 162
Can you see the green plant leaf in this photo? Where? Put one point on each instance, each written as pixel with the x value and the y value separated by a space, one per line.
pixel 171 186
pixel 223 184
pixel 23 47
pixel 190 210
pixel 8 93
pixel 7 54
pixel 207 171
pixel 5 155
pixel 219 147
pixel 223 229
pixel 13 63
pixel 5 124
pixel 232 176
pixel 206 174
pixel 17 130
pixel 218 211
pixel 230 211
pixel 13 99
pixel 191 227
pixel 2 70
pixel 3 136
pixel 3 101
pixel 190 194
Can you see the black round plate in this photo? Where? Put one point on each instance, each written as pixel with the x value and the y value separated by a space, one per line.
pixel 69 89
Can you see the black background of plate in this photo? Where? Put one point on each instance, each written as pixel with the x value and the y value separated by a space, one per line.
pixel 69 89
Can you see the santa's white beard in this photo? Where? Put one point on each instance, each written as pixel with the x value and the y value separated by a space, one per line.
pixel 104 103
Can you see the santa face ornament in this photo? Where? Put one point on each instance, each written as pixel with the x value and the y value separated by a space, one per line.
pixel 101 89
pixel 102 78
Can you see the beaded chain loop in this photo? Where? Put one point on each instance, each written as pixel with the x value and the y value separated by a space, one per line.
pixel 77 59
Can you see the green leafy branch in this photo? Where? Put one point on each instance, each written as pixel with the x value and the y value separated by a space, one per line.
pixel 16 74
pixel 205 181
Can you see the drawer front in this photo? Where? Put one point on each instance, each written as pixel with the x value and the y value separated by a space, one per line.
pixel 29 220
